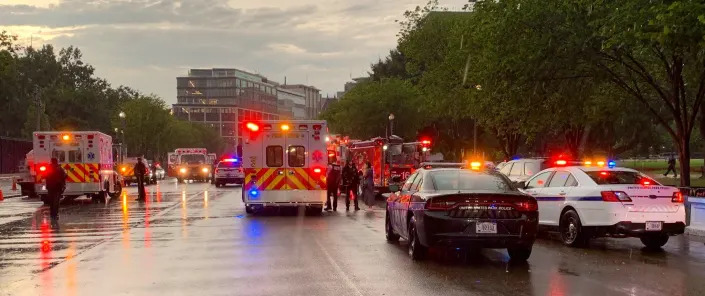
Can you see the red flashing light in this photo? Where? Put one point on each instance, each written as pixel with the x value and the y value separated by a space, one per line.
pixel 561 162
pixel 646 182
pixel 527 206
pixel 604 173
pixel 42 168
pixel 678 197
pixel 317 170
pixel 252 126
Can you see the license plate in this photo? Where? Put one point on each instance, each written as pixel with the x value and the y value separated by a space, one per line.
pixel 654 226
pixel 486 227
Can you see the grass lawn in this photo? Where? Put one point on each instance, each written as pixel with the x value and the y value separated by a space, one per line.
pixel 694 182
pixel 656 164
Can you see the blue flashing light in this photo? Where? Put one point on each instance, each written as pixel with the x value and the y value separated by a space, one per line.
pixel 611 164
pixel 230 160
pixel 254 193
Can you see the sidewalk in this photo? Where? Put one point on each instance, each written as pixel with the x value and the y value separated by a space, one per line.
pixel 6 187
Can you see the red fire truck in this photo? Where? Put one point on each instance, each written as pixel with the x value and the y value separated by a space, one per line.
pixel 400 159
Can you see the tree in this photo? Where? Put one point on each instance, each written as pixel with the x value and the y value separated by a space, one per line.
pixel 655 52
pixel 363 112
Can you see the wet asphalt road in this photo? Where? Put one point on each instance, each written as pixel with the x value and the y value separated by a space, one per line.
pixel 194 239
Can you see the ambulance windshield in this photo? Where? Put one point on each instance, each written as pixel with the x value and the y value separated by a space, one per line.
pixel 193 158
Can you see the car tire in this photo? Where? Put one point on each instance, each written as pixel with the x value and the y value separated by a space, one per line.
pixel 417 251
pixel 118 191
pixel 654 242
pixel 389 230
pixel 519 253
pixel 249 209
pixel 573 234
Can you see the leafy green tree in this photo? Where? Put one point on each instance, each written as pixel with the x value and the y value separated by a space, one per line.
pixel 363 112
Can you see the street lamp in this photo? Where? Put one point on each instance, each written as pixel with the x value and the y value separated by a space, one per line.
pixel 122 116
pixel 391 124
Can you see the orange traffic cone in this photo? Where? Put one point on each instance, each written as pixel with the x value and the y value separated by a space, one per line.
pixel 14 184
pixel 1 197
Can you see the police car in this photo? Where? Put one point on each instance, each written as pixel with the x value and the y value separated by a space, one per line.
pixel 585 202
pixel 229 171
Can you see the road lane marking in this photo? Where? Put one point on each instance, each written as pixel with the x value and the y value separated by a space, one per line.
pixel 338 269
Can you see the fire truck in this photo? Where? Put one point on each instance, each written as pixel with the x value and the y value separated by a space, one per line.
pixel 190 164
pixel 391 156
pixel 87 158
pixel 285 164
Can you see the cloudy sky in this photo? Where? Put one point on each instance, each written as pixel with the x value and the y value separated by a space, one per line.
pixel 145 44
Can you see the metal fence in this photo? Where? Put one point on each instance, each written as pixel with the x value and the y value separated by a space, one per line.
pixel 12 153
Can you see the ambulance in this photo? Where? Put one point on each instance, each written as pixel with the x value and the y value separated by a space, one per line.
pixel 285 164
pixel 87 158
pixel 191 164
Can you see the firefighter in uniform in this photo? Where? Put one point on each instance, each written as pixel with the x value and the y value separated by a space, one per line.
pixel 350 183
pixel 332 183
pixel 56 183
pixel 140 172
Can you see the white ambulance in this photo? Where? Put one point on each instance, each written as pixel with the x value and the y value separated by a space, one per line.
pixel 87 158
pixel 285 164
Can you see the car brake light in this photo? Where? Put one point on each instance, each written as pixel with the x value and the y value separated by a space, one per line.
pixel 678 197
pixel 527 206
pixel 615 196
pixel 439 204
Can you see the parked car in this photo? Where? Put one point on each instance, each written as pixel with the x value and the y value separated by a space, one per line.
pixel 461 208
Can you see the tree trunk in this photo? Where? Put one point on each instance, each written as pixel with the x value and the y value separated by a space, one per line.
pixel 684 157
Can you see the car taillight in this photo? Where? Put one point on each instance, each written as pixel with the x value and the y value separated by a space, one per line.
pixel 527 206
pixel 678 197
pixel 439 204
pixel 615 196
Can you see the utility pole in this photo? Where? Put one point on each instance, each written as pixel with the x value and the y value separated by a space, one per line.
pixel 40 109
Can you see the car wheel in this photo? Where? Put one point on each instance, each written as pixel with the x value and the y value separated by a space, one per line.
pixel 572 232
pixel 118 191
pixel 416 250
pixel 519 253
pixel 249 209
pixel 654 242
pixel 389 230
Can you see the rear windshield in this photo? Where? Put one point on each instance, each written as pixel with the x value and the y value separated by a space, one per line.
pixel 467 180
pixel 619 177
pixel 226 164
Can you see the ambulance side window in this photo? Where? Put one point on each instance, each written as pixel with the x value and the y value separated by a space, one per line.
pixel 60 155
pixel 75 156
pixel 275 156
pixel 297 156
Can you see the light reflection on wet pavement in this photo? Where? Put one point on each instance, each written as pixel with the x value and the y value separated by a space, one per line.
pixel 195 239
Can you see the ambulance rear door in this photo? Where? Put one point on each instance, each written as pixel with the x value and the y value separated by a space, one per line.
pixel 297 163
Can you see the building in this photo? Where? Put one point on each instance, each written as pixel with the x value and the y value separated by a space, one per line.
pixel 292 103
pixel 312 95
pixel 220 98
pixel 350 85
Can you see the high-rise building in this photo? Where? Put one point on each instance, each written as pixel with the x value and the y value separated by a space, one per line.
pixel 313 102
pixel 220 98
pixel 292 103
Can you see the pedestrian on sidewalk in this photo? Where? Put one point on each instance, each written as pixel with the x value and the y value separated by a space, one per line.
pixel 368 186
pixel 332 184
pixel 140 172
pixel 56 184
pixel 350 183
pixel 671 166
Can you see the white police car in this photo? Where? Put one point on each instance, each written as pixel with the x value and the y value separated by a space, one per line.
pixel 585 202
pixel 229 171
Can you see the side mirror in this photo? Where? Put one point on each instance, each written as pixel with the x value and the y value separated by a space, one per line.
pixel 520 185
pixel 393 188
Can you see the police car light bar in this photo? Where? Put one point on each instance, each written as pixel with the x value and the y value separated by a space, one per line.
pixel 230 160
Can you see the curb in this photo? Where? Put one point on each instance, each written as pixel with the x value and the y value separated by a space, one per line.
pixel 691 231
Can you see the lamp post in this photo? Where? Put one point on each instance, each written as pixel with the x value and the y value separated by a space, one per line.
pixel 391 124
pixel 122 116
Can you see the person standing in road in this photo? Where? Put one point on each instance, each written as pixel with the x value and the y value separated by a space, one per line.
pixel 350 183
pixel 56 184
pixel 671 166
pixel 332 184
pixel 140 172
pixel 368 185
